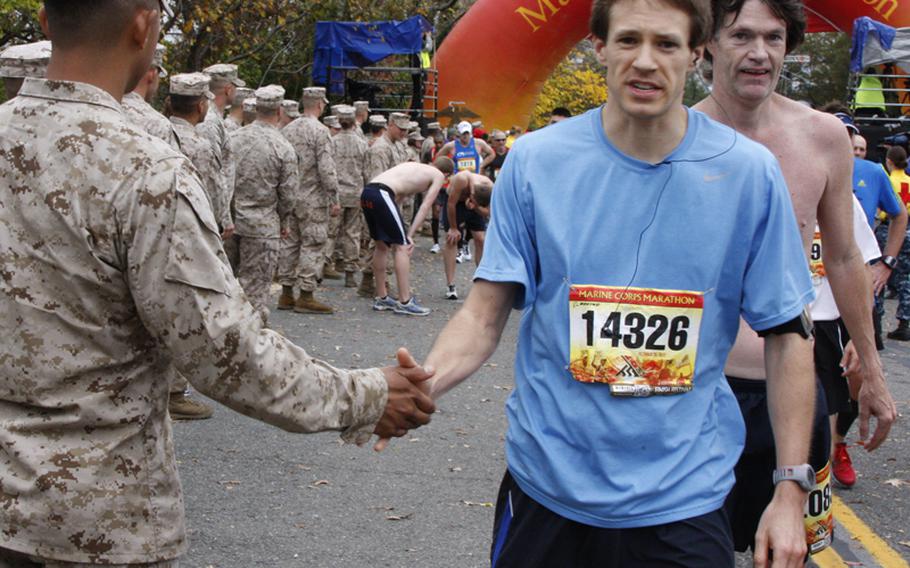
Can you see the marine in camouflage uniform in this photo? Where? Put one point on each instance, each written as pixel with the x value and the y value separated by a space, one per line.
pixel 385 153
pixel 20 61
pixel 350 152
pixel 224 81
pixel 302 252
pixel 139 111
pixel 264 196
pixel 192 144
pixel 87 467
pixel 361 118
pixel 234 120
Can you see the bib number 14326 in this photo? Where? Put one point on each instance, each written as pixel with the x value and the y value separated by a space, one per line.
pixel 639 341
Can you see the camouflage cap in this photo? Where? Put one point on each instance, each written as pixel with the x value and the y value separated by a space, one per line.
pixel 314 94
pixel 26 60
pixel 158 60
pixel 249 105
pixel 242 94
pixel 361 105
pixel 224 73
pixel 416 136
pixel 477 124
pixel 291 108
pixel 432 126
pixel 412 126
pixel 270 96
pixel 400 120
pixel 190 84
pixel 344 112
pixel 378 120
pixel 331 121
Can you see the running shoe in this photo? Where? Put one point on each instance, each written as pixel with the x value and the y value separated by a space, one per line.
pixel 451 294
pixel 466 253
pixel 411 308
pixel 842 468
pixel 384 304
pixel 435 248
pixel 460 258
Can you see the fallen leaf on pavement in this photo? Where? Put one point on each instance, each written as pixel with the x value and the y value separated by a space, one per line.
pixel 473 504
pixel 320 482
pixel 904 543
pixel 230 484
pixel 399 517
pixel 896 482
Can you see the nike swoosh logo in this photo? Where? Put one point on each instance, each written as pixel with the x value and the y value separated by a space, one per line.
pixel 709 178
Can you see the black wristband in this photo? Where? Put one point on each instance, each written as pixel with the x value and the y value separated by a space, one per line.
pixel 801 325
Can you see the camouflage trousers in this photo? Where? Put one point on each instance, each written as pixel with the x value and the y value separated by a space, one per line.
pixel 256 270
pixel 232 251
pixel 11 559
pixel 344 239
pixel 900 277
pixel 302 254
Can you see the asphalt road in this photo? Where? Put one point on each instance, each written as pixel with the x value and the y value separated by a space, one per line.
pixel 260 497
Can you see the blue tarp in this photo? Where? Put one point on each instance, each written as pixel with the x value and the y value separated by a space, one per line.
pixel 358 44
pixel 862 28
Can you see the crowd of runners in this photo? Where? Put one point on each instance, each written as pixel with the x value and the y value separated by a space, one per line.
pixel 683 388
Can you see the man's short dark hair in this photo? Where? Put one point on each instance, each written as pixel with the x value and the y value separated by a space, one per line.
pixel 561 111
pixel 792 12
pixel 699 12
pixel 445 165
pixel 482 195
pixel 181 105
pixel 898 157
pixel 91 22
pixel 376 128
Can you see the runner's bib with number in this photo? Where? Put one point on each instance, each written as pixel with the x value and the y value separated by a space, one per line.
pixel 640 341
pixel 818 516
pixel 466 165
pixel 816 266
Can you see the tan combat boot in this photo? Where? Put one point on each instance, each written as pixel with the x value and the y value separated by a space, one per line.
pixel 307 304
pixel 329 273
pixel 349 280
pixel 182 407
pixel 286 299
pixel 367 287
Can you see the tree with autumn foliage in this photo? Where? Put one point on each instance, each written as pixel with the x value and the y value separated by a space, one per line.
pixel 578 84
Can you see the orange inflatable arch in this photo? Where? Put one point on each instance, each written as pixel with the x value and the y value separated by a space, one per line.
pixel 497 58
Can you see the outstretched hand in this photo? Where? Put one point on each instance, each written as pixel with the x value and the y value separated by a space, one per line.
pixel 409 405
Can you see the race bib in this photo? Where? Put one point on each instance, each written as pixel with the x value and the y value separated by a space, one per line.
pixel 467 165
pixel 816 266
pixel 818 516
pixel 640 341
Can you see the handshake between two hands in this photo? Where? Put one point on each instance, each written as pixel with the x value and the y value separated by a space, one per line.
pixel 409 405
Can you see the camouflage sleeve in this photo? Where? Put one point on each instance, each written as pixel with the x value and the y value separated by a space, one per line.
pixel 228 180
pixel 189 300
pixel 365 164
pixel 288 184
pixel 325 164
pixel 380 159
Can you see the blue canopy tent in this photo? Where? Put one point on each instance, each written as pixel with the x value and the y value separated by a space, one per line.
pixel 359 44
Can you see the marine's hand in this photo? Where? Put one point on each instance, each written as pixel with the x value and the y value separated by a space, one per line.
pixel 782 530
pixel 228 232
pixel 409 405
pixel 880 275
pixel 875 400
pixel 335 211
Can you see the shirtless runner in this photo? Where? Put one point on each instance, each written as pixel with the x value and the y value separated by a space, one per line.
pixel 750 41
pixel 379 201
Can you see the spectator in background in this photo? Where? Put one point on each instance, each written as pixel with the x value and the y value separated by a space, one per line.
pixel 498 143
pixel 859 147
pixel 896 163
pixel 559 113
